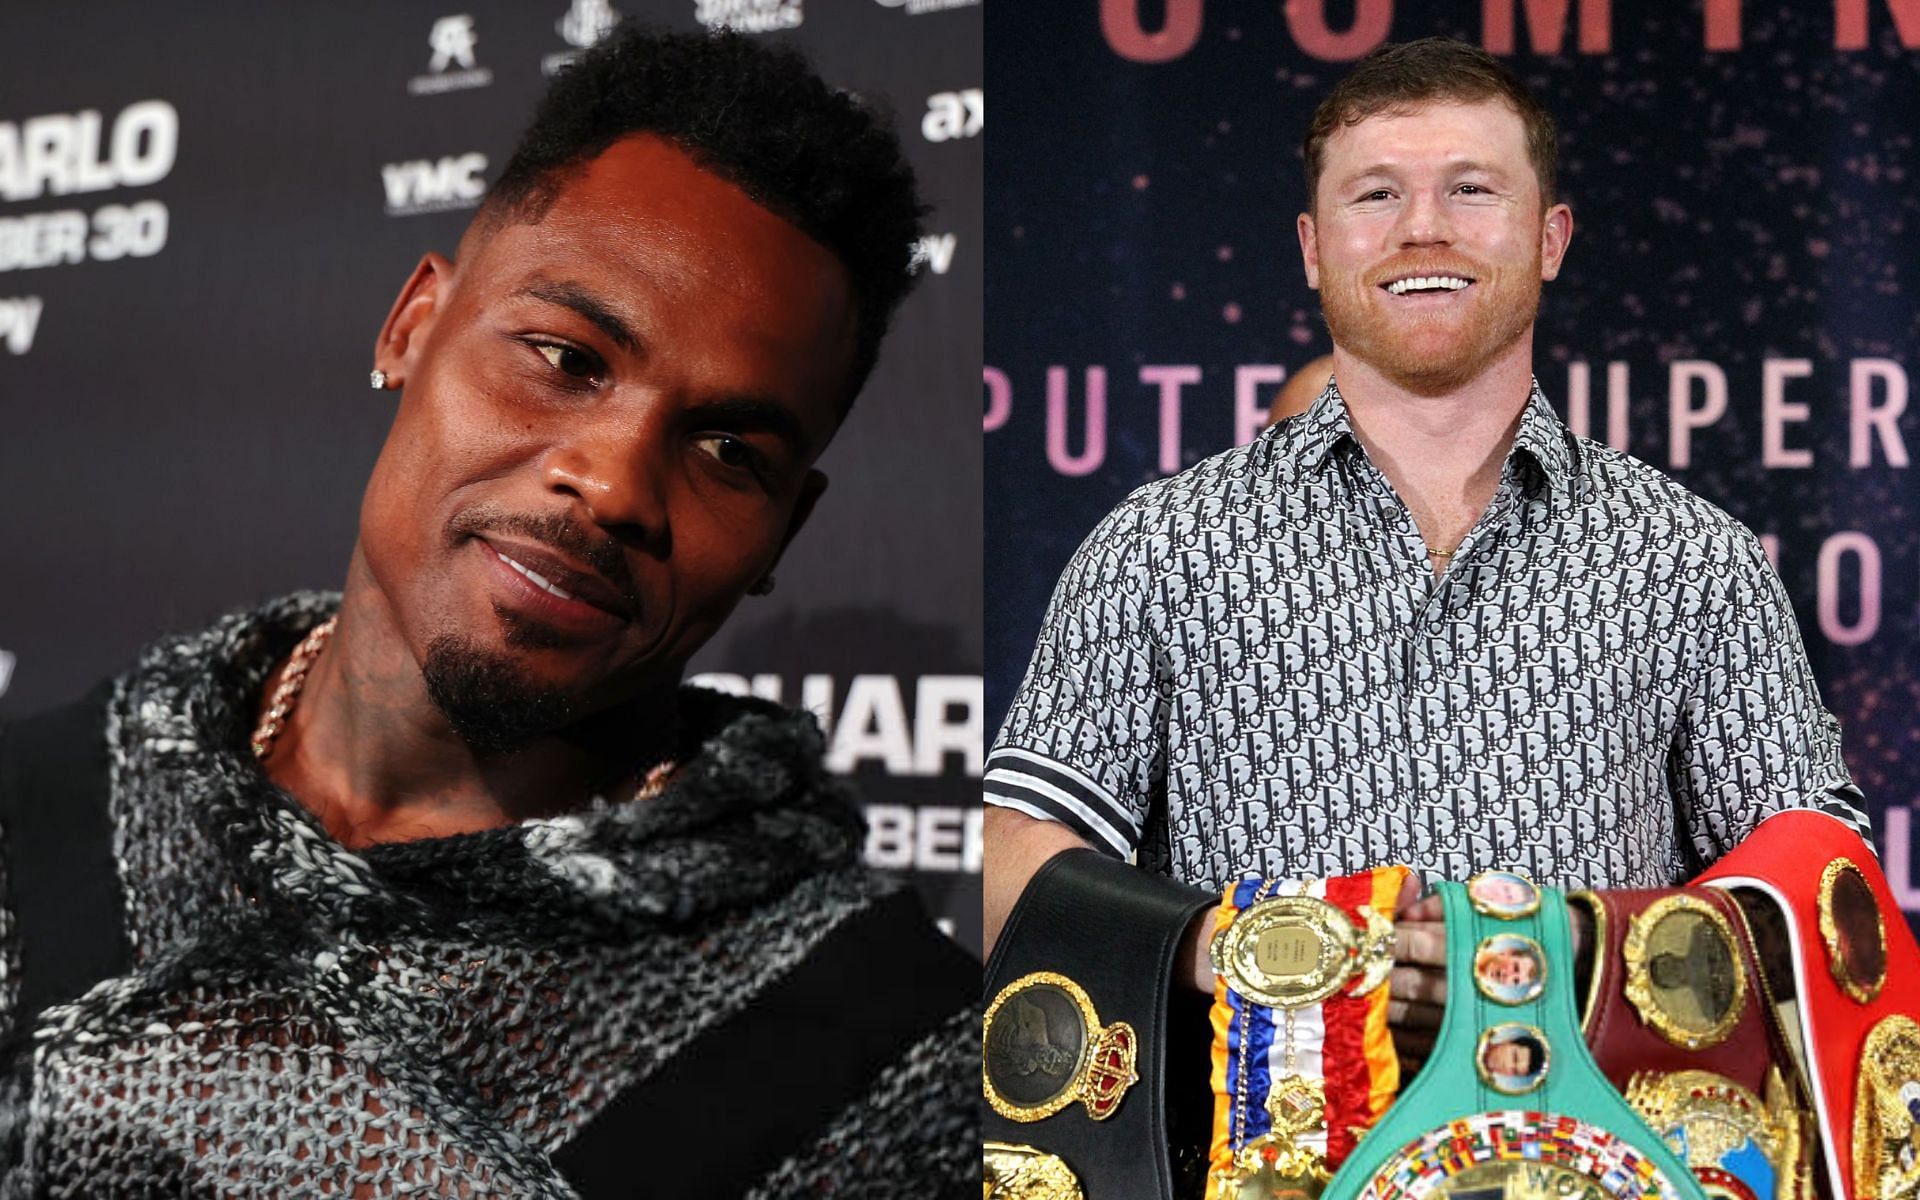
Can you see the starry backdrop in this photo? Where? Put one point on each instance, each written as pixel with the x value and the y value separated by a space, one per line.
pixel 1741 181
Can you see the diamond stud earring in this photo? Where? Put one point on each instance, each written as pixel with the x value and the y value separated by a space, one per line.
pixel 379 381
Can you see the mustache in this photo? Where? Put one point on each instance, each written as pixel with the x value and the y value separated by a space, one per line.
pixel 1404 265
pixel 600 553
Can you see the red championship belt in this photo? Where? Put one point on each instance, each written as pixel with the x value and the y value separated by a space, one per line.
pixel 1857 980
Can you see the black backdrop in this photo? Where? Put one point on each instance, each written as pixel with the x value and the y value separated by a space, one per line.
pixel 205 211
pixel 1738 306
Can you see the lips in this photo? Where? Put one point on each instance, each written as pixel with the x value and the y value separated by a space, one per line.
pixel 1442 283
pixel 540 584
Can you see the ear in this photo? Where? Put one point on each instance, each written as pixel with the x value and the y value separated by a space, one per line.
pixel 1309 248
pixel 1555 233
pixel 411 319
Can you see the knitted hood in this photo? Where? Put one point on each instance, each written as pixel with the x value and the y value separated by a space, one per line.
pixel 304 1019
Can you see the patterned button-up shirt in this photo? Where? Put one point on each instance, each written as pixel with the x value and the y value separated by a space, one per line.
pixel 1250 668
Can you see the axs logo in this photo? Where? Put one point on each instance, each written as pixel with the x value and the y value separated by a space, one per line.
pixel 961 114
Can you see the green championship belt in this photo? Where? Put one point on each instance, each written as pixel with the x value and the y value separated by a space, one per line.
pixel 1511 1106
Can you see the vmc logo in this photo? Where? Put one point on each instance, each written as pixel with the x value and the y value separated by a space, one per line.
pixel 434 185
pixel 961 114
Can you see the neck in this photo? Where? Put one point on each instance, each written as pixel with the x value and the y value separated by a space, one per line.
pixel 1443 453
pixel 368 752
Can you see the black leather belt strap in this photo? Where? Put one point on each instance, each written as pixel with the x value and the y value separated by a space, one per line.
pixel 1115 930
pixel 766 1083
pixel 62 883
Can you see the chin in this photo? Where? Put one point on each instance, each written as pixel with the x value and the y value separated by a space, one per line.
pixel 490 699
pixel 1435 360
pixel 1431 379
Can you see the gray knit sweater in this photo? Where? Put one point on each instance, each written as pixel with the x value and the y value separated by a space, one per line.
pixel 436 1017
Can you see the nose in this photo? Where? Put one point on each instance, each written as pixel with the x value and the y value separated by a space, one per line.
pixel 1424 221
pixel 617 475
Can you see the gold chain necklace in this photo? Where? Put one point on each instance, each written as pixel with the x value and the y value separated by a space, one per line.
pixel 294 677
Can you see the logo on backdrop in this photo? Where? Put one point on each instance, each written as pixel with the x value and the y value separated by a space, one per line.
pixel 6 671
pixel 748 16
pixel 914 726
pixel 961 114
pixel 586 22
pixel 933 252
pixel 434 185
pixel 19 319
pixel 916 7
pixel 452 39
pixel 926 837
pixel 62 154
pixel 903 726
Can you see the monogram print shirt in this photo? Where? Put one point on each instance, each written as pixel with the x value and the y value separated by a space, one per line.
pixel 1249 668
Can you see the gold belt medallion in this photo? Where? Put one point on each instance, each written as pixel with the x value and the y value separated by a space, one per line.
pixel 1519 1155
pixel 1277 1165
pixel 1684 973
pixel 1014 1172
pixel 1043 1047
pixel 1513 1180
pixel 1715 1126
pixel 1886 1113
pixel 1292 951
pixel 1851 927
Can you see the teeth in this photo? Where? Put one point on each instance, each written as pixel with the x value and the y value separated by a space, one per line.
pixel 537 577
pixel 1427 283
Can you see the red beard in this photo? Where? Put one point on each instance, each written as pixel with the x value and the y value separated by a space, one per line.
pixel 1431 345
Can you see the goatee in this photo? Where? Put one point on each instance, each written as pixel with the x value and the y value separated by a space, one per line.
pixel 490 706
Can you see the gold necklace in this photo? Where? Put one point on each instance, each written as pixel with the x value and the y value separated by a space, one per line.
pixel 1439 553
pixel 292 679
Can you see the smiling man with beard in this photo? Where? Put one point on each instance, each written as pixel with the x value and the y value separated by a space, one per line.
pixel 1466 639
pixel 445 885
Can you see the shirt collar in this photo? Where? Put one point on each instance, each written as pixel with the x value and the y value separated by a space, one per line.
pixel 1325 425
pixel 1547 441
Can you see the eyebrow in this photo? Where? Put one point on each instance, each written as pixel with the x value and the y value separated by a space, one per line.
pixel 754 413
pixel 580 300
pixel 1457 165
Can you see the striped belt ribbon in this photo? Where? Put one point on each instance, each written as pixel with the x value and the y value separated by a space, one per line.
pixel 1303 1062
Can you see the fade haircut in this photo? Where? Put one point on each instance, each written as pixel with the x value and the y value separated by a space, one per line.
pixel 1396 78
pixel 757 116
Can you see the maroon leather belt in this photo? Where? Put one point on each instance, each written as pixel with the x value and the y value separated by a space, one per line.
pixel 1680 1017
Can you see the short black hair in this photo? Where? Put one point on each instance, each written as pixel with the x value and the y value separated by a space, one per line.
pixel 758 116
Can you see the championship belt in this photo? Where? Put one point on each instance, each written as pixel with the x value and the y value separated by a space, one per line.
pixel 1510 1104
pixel 1856 982
pixel 1680 1018
pixel 1073 1046
pixel 1302 1058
